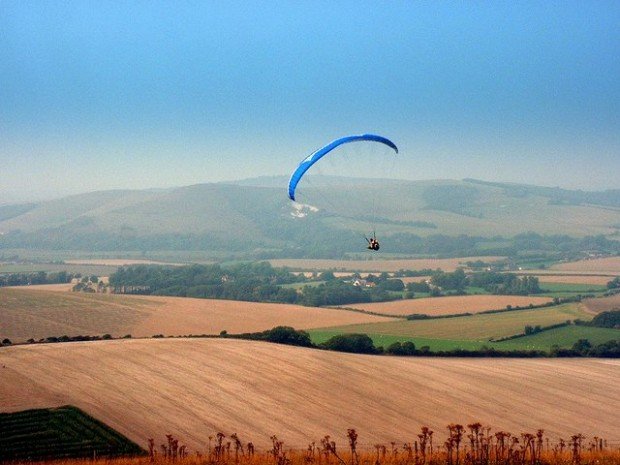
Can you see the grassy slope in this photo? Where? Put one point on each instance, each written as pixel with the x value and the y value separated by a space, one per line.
pixel 194 388
pixel 231 209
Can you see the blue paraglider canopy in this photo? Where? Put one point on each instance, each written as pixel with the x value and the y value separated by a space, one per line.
pixel 316 156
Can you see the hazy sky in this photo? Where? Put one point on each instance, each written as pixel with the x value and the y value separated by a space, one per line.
pixel 108 94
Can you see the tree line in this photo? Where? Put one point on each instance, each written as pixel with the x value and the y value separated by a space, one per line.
pixel 251 282
pixel 38 277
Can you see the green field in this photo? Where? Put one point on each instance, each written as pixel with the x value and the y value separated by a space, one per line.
pixel 59 433
pixel 479 327
pixel 563 337
pixel 302 285
pixel 570 289
pixel 98 270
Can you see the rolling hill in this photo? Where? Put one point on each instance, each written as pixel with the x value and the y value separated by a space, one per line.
pixel 194 388
pixel 256 215
pixel 38 314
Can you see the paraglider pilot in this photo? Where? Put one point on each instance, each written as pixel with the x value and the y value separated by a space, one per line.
pixel 373 243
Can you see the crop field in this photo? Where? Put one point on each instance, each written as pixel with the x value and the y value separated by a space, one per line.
pixel 38 314
pixel 603 304
pixel 61 287
pixel 193 388
pixel 446 264
pixel 64 432
pixel 574 279
pixel 570 289
pixel 602 265
pixel 479 327
pixel 84 269
pixel 118 262
pixel 451 305
pixel 414 279
pixel 564 337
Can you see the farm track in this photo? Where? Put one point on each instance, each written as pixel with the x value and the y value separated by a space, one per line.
pixel 193 388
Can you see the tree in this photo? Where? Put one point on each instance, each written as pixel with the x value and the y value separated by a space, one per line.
pixel 290 336
pixel 582 346
pixel 609 319
pixel 614 283
pixel 356 343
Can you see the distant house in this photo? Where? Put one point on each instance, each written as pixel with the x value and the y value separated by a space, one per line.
pixel 363 283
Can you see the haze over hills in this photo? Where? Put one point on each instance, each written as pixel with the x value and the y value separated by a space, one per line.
pixel 256 214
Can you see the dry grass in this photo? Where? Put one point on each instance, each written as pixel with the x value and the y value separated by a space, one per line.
pixel 451 305
pixel 473 444
pixel 446 264
pixel 602 265
pixel 193 387
pixel 602 304
pixel 28 314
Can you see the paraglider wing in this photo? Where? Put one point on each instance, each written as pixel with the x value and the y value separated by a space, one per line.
pixel 316 156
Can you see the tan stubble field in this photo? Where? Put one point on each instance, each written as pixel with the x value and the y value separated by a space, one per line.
pixel 451 305
pixel 38 314
pixel 194 388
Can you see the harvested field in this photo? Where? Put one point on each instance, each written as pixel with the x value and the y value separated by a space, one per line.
pixel 414 279
pixel 451 305
pixel 118 262
pixel 63 287
pixel 37 314
pixel 446 264
pixel 602 265
pixel 193 388
pixel 574 279
pixel 602 304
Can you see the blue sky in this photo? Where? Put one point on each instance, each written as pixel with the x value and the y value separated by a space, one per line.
pixel 99 95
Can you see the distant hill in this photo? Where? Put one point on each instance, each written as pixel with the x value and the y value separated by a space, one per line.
pixel 255 214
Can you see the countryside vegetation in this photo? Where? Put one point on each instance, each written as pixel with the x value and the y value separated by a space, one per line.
pixel 183 335
pixel 239 233
pixel 467 313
